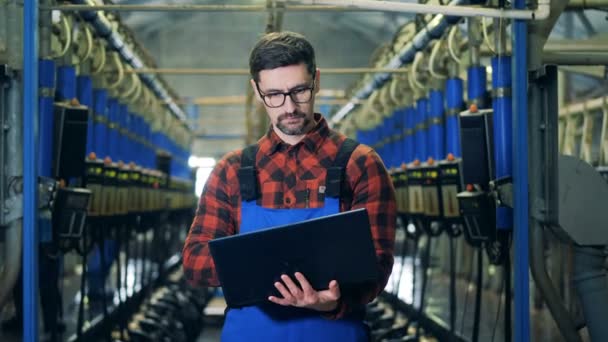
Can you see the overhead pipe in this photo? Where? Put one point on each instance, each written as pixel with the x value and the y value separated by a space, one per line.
pixel 105 30
pixel 433 30
pixel 587 4
pixel 203 8
pixel 541 13
pixel 246 72
pixel 575 58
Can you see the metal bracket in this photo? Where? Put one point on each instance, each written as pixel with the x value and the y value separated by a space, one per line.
pixel 502 191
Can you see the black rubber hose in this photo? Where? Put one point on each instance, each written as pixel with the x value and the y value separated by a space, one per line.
pixel 414 269
pixel 142 257
pixel 102 259
pixel 403 255
pixel 478 292
pixel 508 294
pixel 452 289
pixel 127 241
pixel 426 261
pixel 122 322
pixel 83 282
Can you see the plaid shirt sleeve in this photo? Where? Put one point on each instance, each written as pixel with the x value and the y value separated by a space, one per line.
pixel 372 189
pixel 215 218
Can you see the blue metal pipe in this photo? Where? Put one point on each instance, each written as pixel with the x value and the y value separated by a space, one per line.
pixel 85 97
pixel 113 113
pixel 149 150
pixel 520 176
pixel 436 126
pixel 476 85
pixel 410 137
pixel 66 83
pixel 122 137
pixel 385 134
pixel 433 30
pixel 454 101
pixel 100 123
pixel 46 128
pixel 46 123
pixel 421 152
pixel 503 128
pixel 131 129
pixel 104 29
pixel 30 174
pixel 141 134
pixel 398 136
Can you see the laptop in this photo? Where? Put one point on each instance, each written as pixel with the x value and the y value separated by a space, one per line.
pixel 332 247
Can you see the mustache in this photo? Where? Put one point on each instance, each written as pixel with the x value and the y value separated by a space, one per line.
pixel 294 115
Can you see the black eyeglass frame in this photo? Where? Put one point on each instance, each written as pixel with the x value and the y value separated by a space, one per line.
pixel 290 93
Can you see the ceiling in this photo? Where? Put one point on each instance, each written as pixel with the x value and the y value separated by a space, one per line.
pixel 224 40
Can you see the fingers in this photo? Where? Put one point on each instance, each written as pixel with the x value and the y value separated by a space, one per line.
pixel 293 288
pixel 287 297
pixel 280 301
pixel 304 284
pixel 334 290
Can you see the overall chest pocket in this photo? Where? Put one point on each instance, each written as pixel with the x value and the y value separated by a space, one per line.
pixel 307 194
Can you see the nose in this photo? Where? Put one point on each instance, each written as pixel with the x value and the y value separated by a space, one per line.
pixel 289 105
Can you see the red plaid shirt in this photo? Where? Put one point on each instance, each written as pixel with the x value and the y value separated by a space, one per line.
pixel 285 174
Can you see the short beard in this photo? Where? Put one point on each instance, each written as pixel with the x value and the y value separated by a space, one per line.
pixel 300 130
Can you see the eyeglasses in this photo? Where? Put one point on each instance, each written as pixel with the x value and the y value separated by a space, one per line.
pixel 277 99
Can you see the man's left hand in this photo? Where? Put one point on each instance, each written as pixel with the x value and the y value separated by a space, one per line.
pixel 304 296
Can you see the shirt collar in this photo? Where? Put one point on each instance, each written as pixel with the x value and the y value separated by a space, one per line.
pixel 272 143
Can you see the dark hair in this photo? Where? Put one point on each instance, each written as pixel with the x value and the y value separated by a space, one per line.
pixel 279 49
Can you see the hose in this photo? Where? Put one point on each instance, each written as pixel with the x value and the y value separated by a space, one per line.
pixel 83 281
pixel 451 36
pixel 122 322
pixel 425 280
pixel 508 295
pixel 434 53
pixel 102 59
pixel 452 288
pixel 478 291
pixel 68 37
pixel 102 259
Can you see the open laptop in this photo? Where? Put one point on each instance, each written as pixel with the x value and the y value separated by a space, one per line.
pixel 335 247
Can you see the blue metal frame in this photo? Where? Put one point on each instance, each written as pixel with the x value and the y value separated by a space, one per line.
pixel 520 176
pixel 30 123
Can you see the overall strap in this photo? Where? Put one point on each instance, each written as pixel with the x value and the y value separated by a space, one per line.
pixel 247 174
pixel 336 173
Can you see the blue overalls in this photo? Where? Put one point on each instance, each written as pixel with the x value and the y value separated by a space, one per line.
pixel 271 322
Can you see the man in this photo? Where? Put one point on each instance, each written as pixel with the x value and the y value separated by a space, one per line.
pixel 291 185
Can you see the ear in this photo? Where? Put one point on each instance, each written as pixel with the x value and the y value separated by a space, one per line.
pixel 255 90
pixel 317 81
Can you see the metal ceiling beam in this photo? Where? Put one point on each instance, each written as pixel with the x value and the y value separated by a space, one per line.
pixel 590 4
pixel 205 8
pixel 245 72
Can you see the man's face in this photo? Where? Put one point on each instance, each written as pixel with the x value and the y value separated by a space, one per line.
pixel 292 118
